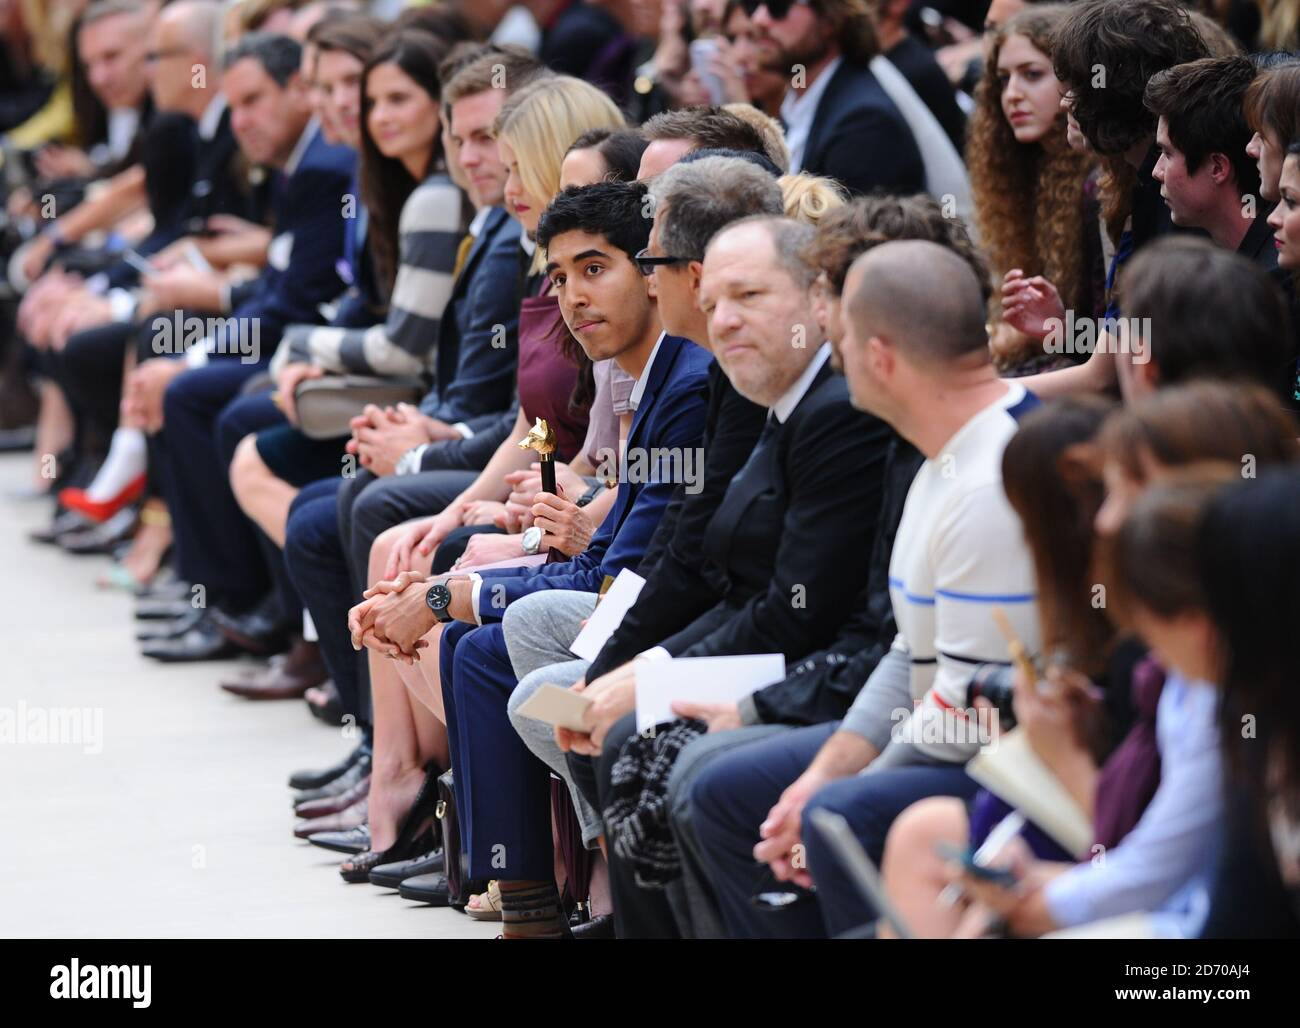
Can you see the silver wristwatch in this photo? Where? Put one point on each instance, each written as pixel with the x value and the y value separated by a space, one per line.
pixel 532 541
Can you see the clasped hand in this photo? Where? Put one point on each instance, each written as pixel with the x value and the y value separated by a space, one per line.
pixel 394 616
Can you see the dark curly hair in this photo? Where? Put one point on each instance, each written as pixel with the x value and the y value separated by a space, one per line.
pixel 1105 53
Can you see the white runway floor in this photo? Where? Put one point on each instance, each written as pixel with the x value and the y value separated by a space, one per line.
pixel 181 825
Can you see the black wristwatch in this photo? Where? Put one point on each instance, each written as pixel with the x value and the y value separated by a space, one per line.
pixel 439 599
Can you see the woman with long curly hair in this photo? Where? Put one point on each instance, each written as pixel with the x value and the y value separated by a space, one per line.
pixel 1035 197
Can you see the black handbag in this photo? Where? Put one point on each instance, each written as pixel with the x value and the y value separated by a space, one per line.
pixel 460 887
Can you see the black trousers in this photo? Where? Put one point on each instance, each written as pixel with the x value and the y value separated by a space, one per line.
pixel 89 370
pixel 638 913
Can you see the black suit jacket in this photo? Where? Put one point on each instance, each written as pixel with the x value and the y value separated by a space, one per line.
pixel 822 687
pixel 789 545
pixel 859 136
pixel 308 223
pixel 677 588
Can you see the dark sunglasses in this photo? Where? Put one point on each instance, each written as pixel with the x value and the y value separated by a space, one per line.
pixel 647 264
pixel 778 9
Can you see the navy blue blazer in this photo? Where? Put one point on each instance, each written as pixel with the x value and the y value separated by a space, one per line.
pixel 859 136
pixel 361 306
pixel 308 219
pixel 670 414
pixel 478 336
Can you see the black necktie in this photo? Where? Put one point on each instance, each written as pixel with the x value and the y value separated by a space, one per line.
pixel 764 442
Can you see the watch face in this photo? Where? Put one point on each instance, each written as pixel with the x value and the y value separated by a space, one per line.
pixel 438 598
pixel 532 539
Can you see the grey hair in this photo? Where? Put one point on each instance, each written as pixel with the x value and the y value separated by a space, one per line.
pixel 790 239
pixel 280 56
pixel 102 9
pixel 696 200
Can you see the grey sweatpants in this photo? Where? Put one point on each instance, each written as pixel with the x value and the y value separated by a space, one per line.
pixel 538 629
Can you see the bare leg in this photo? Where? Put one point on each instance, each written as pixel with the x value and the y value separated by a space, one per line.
pixel 399 751
pixel 54 433
pixel 424 677
pixel 154 535
pixel 262 494
pixel 914 874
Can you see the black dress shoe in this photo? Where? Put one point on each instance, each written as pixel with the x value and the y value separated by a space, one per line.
pixel 428 888
pixel 165 586
pixel 261 631
pixel 351 840
pixel 391 876
pixel 359 769
pixel 166 609
pixel 63 523
pixel 173 629
pixel 315 779
pixel 102 538
pixel 201 642
pixel 601 927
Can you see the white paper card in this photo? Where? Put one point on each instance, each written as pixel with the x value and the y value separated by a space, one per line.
pixel 608 614
pixel 700 680
pixel 556 706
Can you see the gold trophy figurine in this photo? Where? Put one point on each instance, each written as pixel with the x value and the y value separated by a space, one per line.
pixel 541 437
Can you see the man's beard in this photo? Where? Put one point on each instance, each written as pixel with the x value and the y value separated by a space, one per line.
pixel 806 52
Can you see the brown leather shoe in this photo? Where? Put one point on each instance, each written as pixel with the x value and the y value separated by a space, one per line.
pixel 286 677
pixel 334 804
pixel 350 818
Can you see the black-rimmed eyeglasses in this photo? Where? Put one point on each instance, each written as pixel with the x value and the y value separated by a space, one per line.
pixel 647 264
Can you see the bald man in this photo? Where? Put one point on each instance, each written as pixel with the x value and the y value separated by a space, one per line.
pixel 915 353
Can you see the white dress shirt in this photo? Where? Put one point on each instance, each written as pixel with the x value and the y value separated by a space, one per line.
pixel 798 110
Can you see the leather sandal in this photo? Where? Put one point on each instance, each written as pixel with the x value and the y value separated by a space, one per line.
pixel 489 904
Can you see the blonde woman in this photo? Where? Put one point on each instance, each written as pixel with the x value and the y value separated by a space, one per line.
pixel 810 197
pixel 534 131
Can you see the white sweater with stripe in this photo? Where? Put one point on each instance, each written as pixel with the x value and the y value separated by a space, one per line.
pixel 960 552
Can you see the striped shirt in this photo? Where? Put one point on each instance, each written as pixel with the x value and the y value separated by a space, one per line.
pixel 960 552
pixel 407 342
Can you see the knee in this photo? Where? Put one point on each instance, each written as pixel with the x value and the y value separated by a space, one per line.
pixel 247 470
pixel 711 793
pixel 687 769
pixel 380 550
pixel 526 687
pixel 520 622
pixel 231 430
pixel 178 397
pixel 300 531
pixel 914 833
pixel 531 731
pixel 843 798
pixel 372 516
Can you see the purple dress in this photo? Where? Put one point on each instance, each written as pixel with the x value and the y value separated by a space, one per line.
pixel 546 376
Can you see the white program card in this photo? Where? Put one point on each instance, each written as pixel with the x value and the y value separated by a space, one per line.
pixel 608 614
pixel 700 680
